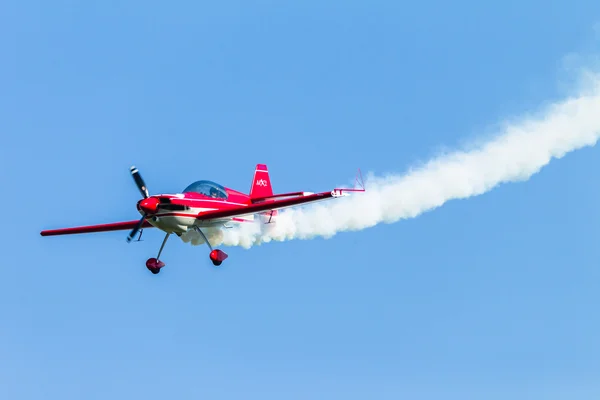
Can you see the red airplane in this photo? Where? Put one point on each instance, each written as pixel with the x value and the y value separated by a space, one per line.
pixel 206 204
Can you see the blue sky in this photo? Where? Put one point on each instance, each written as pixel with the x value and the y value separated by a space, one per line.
pixel 490 297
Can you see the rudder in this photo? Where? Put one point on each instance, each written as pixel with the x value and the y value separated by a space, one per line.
pixel 261 184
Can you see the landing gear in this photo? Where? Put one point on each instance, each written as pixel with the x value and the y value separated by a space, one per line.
pixel 216 256
pixel 154 264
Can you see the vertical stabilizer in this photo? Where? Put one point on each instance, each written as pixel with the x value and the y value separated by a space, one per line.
pixel 261 184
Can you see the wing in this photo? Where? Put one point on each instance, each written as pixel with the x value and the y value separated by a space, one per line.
pixel 115 226
pixel 266 204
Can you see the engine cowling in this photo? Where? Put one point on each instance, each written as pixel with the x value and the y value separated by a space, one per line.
pixel 149 205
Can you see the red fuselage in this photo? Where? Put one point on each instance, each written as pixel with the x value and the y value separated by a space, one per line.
pixel 177 212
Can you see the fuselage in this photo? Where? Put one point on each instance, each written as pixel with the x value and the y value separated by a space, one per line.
pixel 176 213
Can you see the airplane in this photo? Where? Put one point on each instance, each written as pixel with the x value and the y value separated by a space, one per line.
pixel 205 204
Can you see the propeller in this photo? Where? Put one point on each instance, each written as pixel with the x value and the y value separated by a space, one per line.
pixel 135 230
pixel 137 177
pixel 141 185
pixel 150 205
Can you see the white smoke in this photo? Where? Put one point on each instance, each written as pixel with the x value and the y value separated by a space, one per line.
pixel 519 150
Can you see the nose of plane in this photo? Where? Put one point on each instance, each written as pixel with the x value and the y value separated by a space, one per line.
pixel 149 205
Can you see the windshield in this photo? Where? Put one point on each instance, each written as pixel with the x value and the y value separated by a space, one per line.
pixel 207 188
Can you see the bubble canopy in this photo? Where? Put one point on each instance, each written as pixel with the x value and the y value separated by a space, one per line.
pixel 207 188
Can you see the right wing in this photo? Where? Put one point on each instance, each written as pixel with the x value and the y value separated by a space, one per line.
pixel 268 205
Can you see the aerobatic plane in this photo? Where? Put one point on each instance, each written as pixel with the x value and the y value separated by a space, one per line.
pixel 205 204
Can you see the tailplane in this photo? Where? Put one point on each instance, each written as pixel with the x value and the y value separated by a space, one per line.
pixel 261 184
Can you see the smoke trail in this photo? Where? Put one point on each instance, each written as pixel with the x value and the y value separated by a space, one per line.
pixel 517 152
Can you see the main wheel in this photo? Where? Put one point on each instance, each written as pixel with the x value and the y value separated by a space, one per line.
pixel 154 265
pixel 217 257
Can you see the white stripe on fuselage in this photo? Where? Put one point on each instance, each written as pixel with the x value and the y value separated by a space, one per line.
pixel 221 201
pixel 184 220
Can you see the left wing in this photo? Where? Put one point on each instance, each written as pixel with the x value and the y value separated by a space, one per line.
pixel 266 204
pixel 115 226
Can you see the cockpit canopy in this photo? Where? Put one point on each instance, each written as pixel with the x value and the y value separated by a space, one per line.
pixel 207 188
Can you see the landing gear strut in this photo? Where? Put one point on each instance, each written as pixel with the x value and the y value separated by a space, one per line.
pixel 216 256
pixel 154 264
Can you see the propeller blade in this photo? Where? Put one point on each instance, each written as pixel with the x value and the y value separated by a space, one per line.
pixel 137 177
pixel 136 229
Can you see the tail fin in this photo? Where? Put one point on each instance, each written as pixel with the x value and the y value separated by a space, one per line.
pixel 261 185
